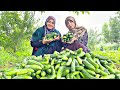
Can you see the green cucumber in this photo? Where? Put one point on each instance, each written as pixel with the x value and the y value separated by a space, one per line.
pixel 88 65
pixel 73 66
pixel 87 75
pixel 92 62
pixel 110 76
pixel 69 62
pixel 79 60
pixel 60 72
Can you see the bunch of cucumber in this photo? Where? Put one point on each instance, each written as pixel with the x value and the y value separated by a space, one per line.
pixel 67 37
pixel 64 65
pixel 51 36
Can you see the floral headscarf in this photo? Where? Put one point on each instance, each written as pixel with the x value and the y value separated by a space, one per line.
pixel 78 31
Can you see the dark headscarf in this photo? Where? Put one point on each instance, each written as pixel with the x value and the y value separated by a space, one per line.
pixel 78 31
pixel 47 31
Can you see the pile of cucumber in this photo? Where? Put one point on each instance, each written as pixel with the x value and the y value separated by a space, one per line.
pixel 51 36
pixel 64 65
pixel 67 37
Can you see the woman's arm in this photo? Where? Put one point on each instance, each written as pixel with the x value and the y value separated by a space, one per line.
pixel 36 40
pixel 84 39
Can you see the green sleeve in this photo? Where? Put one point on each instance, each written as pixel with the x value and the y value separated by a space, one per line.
pixel 36 37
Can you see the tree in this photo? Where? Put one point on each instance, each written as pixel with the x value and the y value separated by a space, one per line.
pixel 94 38
pixel 106 33
pixel 114 24
pixel 15 26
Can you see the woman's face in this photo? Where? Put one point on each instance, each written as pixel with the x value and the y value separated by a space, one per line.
pixel 70 24
pixel 50 24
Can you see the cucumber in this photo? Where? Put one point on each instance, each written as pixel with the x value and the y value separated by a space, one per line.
pixel 100 66
pixel 73 66
pixel 53 62
pixel 59 61
pixel 79 60
pixel 11 73
pixel 97 76
pixel 92 62
pixel 76 63
pixel 111 76
pixel 74 73
pixel 103 73
pixel 53 70
pixel 51 76
pixel 69 62
pixel 43 73
pixel 74 77
pixel 68 76
pixel 60 71
pixel 88 65
pixel 78 76
pixel 97 70
pixel 22 77
pixel 103 62
pixel 49 71
pixel 33 62
pixel 110 69
pixel 90 72
pixel 7 77
pixel 46 67
pixel 79 50
pixel 44 78
pixel 63 63
pixel 64 58
pixel 38 76
pixel 67 54
pixel 79 68
pixel 87 55
pixel 87 75
pixel 34 67
pixel 33 74
pixel 81 54
pixel 57 66
pixel 101 57
pixel 81 74
pixel 66 71
pixel 38 72
pixel 44 62
pixel 24 71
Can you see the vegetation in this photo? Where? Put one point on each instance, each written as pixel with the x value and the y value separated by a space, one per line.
pixel 16 28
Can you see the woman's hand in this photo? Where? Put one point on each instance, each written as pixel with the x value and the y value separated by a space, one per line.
pixel 73 39
pixel 57 38
pixel 45 41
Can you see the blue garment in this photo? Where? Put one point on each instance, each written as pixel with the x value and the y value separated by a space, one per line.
pixel 36 42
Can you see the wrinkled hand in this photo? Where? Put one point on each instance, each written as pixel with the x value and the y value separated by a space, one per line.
pixel 45 41
pixel 57 38
pixel 73 39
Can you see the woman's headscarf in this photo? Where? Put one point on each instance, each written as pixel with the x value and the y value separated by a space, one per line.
pixel 47 31
pixel 78 31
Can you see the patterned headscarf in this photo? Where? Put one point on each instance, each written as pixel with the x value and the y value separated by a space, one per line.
pixel 47 31
pixel 78 31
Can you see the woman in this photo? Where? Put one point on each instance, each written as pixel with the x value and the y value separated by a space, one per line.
pixel 80 35
pixel 42 46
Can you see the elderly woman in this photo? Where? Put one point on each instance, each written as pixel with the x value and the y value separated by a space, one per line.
pixel 80 35
pixel 42 46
